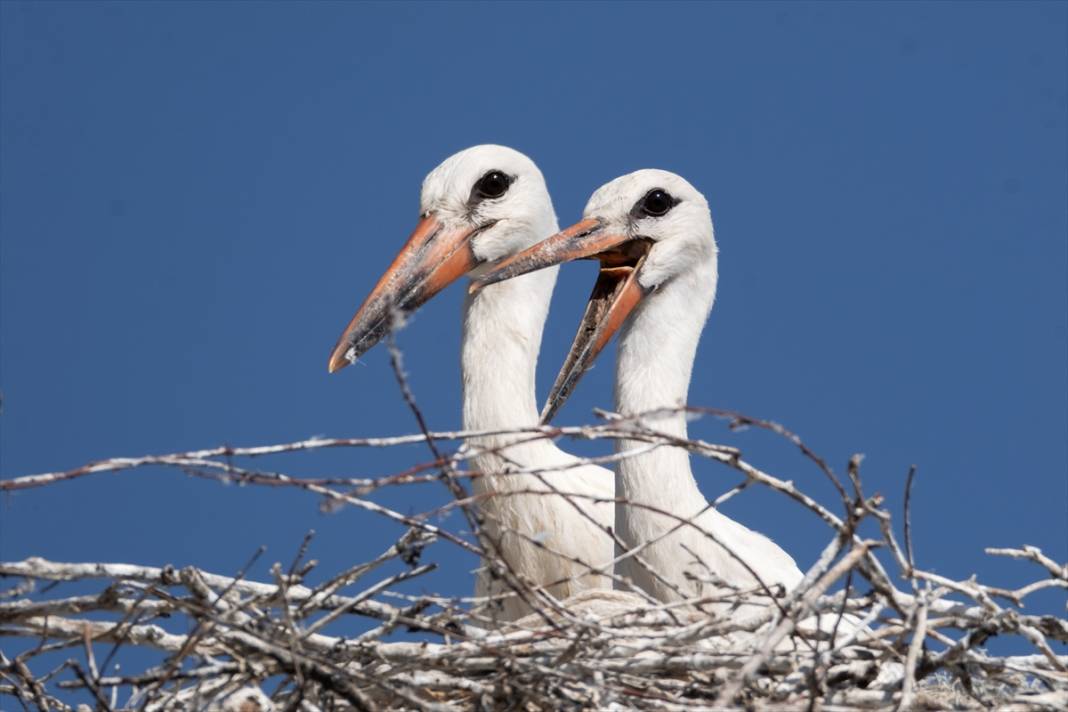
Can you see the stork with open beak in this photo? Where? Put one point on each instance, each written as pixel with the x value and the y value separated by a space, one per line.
pixel 478 206
pixel 652 232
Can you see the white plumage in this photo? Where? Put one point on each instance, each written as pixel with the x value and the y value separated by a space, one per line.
pixel 657 346
pixel 653 233
pixel 465 226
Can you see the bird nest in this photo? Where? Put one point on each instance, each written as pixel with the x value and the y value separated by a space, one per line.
pixel 866 629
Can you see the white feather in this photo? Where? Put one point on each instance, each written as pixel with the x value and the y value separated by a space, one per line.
pixel 657 347
pixel 502 330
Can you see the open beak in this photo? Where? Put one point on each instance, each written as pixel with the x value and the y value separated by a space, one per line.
pixel 615 294
pixel 432 259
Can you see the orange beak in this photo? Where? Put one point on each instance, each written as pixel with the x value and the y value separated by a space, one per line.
pixel 432 259
pixel 615 294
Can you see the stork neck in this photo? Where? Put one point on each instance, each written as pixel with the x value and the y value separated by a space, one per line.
pixel 656 354
pixel 501 338
pixel 657 347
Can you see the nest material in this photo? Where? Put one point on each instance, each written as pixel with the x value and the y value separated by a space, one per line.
pixel 847 638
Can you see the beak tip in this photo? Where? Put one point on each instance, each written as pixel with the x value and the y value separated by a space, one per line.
pixel 337 362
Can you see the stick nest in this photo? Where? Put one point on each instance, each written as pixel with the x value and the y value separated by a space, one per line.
pixel 866 629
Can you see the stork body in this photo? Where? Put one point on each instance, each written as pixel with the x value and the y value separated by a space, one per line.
pixel 655 357
pixel 501 338
pixel 481 205
pixel 653 233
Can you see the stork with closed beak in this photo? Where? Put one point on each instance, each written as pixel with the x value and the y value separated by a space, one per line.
pixel 652 232
pixel 480 205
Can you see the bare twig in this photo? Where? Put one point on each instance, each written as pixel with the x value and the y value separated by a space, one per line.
pixel 870 645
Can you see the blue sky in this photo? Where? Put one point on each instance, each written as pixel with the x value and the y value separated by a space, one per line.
pixel 195 198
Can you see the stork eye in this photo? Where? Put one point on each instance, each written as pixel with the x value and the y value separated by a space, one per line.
pixel 492 185
pixel 657 203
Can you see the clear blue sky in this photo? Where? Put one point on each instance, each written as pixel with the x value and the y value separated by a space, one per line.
pixel 196 197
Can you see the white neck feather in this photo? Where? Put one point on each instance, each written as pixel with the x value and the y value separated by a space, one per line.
pixel 656 355
pixel 502 329
pixel 502 332
pixel 657 347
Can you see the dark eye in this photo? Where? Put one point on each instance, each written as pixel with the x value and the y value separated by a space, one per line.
pixel 657 202
pixel 492 185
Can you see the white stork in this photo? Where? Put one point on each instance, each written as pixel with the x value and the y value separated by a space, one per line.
pixel 480 205
pixel 652 232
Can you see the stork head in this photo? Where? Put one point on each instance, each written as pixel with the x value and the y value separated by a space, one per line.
pixel 648 229
pixel 479 205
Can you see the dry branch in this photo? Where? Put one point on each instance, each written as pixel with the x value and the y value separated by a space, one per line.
pixel 230 643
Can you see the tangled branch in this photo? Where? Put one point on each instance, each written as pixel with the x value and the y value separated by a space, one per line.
pixel 848 637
